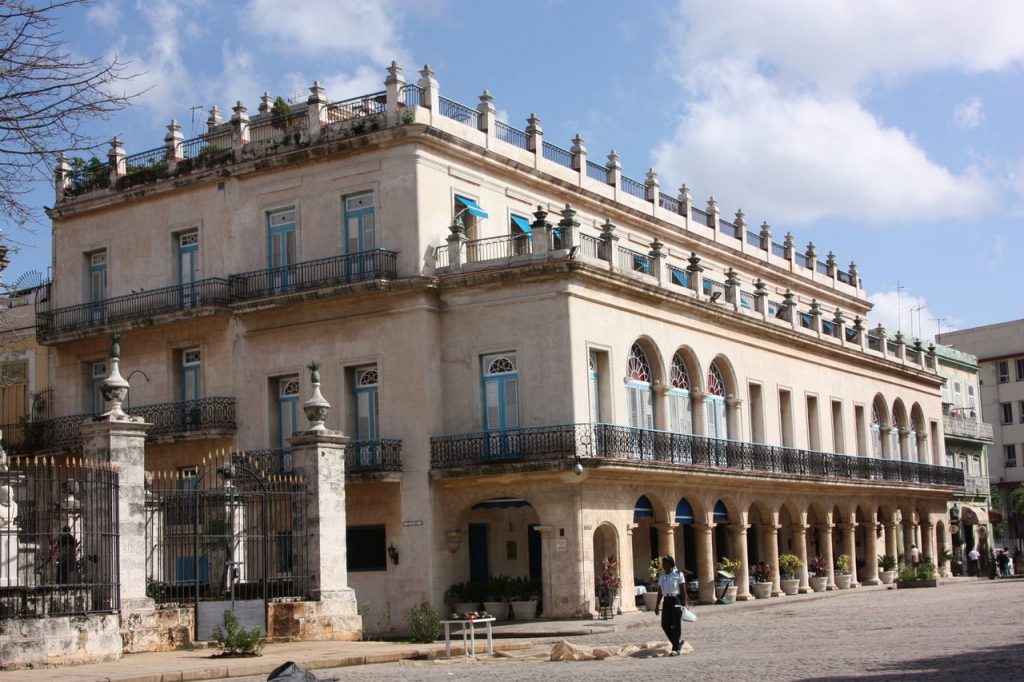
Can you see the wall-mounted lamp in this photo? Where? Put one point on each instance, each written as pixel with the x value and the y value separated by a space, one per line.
pixel 393 554
pixel 715 295
pixel 577 465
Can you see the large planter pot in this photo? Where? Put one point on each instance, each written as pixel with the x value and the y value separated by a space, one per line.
pixel 911 584
pixel 730 592
pixel 524 610
pixel 498 609
pixel 790 585
pixel 819 584
pixel 651 600
pixel 887 577
pixel 466 607
pixel 843 581
pixel 761 590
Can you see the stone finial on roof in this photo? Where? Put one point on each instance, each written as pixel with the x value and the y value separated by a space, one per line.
pixel 317 93
pixel 214 119
pixel 684 192
pixel 394 73
pixel 266 103
pixel 578 145
pixel 613 160
pixel 766 229
pixel 741 219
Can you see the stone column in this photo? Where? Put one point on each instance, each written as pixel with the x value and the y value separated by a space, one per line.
pixel 705 562
pixel 891 542
pixel 685 202
pixel 393 85
pixel 771 539
pixel 317 103
pixel 116 163
pixel 800 540
pixel 870 551
pixel 849 531
pixel 739 540
pixel 908 541
pixel 666 538
pixel 173 146
pixel 825 537
pixel 239 129
pixel 318 455
pixel 535 138
pixel 485 119
pixel 928 542
pixel 652 187
pixel 579 156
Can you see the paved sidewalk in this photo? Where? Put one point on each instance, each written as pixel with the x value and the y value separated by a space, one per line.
pixel 197 664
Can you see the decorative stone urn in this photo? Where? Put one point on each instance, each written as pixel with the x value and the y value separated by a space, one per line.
pixel 761 590
pixel 115 388
pixel 819 583
pixel 650 600
pixel 790 585
pixel 317 407
pixel 887 577
pixel 843 580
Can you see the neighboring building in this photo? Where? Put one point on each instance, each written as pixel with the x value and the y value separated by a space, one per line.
pixel 25 392
pixel 967 437
pixel 530 387
pixel 1000 352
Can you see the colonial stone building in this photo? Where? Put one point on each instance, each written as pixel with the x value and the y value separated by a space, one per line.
pixel 539 361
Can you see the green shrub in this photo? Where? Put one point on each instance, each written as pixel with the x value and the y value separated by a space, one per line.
pixel 424 625
pixel 790 564
pixel 843 564
pixel 232 638
pixel 887 562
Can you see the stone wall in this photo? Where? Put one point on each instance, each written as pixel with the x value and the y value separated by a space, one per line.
pixel 330 619
pixel 166 628
pixel 63 640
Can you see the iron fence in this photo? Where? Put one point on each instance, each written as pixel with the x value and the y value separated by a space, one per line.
pixel 844 277
pixel 597 172
pixel 313 274
pixel 510 135
pixel 562 157
pixel 153 158
pixel 669 203
pixel 225 531
pixel 610 442
pixel 699 216
pixel 821 268
pixel 58 538
pixel 382 454
pixel 87 178
pixel 187 416
pixel 591 247
pixel 633 187
pixel 412 96
pixel 441 256
pixel 753 239
pixel 801 260
pixel 205 292
pixel 459 112
pixel 778 250
pixel 494 248
pixel 357 107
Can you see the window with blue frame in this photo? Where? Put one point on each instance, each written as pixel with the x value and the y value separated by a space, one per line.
pixel 188 267
pixel 639 396
pixel 281 247
pixel 680 409
pixel 715 403
pixel 287 418
pixel 191 362
pixel 466 212
pixel 97 285
pixel 367 403
pixel 681 277
pixel 500 391
pixel 360 223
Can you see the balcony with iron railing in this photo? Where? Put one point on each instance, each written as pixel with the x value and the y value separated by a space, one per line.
pixel 961 423
pixel 362 457
pixel 214 293
pixel 180 420
pixel 606 444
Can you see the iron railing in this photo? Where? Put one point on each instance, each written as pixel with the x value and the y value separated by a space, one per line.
pixel 633 261
pixel 412 96
pixel 610 442
pixel 844 277
pixel 874 343
pixel 459 112
pixel 510 135
pixel 146 160
pixel 801 260
pixel 87 178
pixel 669 203
pixel 61 556
pixel 633 187
pixel 213 291
pixel 591 247
pixel 778 250
pixel 187 416
pixel 382 454
pixel 313 274
pixel 725 227
pixel 441 256
pixel 597 172
pixel 699 216
pixel 495 248
pixel 753 239
pixel 357 107
pixel 562 157
pixel 821 268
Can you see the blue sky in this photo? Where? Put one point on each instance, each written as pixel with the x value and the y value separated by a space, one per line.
pixel 889 133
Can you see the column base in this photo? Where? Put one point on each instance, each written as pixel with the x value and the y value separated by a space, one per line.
pixel 872 581
pixel 144 628
pixel 804 590
pixel 744 597
pixel 777 593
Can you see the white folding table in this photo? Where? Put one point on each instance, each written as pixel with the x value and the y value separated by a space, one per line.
pixel 468 638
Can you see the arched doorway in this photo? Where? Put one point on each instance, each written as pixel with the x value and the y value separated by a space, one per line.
pixel 606 546
pixel 644 538
pixel 720 517
pixel 502 539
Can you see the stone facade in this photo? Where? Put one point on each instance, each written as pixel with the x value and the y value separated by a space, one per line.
pixel 63 640
pixel 572 364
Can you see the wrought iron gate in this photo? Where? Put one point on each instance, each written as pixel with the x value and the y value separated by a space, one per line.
pixel 225 535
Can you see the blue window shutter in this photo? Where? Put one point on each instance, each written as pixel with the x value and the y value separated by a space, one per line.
pixel 522 223
pixel 680 278
pixel 471 206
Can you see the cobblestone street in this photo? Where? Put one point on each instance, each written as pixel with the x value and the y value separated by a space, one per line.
pixel 961 631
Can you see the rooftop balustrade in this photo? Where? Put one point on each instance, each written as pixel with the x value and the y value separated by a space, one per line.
pixel 610 444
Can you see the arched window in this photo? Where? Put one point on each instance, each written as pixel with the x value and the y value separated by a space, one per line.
pixel 594 377
pixel 638 389
pixel 501 392
pixel 876 431
pixel 715 403
pixel 679 407
pixel 912 438
pixel 894 435
pixel 367 403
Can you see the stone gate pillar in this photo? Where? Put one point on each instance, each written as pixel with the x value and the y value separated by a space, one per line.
pixel 318 455
pixel 120 439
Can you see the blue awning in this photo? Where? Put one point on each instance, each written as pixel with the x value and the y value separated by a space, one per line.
pixel 721 513
pixel 522 223
pixel 680 278
pixel 471 206
pixel 684 512
pixel 643 508
pixel 501 503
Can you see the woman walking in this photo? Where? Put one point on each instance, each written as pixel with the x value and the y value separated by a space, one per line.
pixel 671 601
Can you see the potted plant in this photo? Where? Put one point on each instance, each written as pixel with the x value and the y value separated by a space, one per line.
pixel 464 597
pixel 761 576
pixel 921 575
pixel 608 586
pixel 526 598
pixel 790 565
pixel 725 585
pixel 497 597
pixel 843 575
pixel 653 573
pixel 819 569
pixel 887 563
pixel 945 558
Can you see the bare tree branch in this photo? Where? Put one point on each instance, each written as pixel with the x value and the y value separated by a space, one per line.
pixel 47 93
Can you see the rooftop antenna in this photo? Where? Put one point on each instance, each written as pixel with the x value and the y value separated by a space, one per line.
pixel 938 324
pixel 899 305
pixel 192 129
pixel 916 309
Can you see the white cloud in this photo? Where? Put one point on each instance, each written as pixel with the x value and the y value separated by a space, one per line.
pixel 789 155
pixel 969 114
pixel 775 119
pixel 103 14
pixel 908 313
pixel 318 27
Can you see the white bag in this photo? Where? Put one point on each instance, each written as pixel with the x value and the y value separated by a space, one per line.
pixel 689 616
